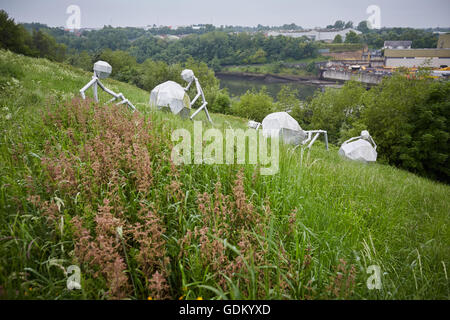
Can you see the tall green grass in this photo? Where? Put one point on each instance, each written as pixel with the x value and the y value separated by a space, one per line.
pixel 324 220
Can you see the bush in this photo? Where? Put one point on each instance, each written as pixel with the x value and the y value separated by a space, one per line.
pixel 222 103
pixel 10 70
pixel 254 105
pixel 409 121
pixel 333 109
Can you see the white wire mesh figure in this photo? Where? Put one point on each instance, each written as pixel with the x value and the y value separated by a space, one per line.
pixel 361 148
pixel 366 136
pixel 282 124
pixel 102 70
pixel 254 124
pixel 312 136
pixel 188 76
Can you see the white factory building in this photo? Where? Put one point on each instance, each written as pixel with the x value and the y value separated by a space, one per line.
pixel 316 35
pixel 412 58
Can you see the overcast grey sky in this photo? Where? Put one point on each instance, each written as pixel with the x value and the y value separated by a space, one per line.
pixel 306 13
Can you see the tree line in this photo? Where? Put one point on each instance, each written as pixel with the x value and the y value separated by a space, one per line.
pixel 36 44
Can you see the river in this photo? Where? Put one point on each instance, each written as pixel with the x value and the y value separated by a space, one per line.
pixel 238 86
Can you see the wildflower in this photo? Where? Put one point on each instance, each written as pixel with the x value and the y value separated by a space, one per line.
pixel 199 298
pixel 8 116
pixel 149 298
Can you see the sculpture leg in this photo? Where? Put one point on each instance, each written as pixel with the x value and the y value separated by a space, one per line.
pixel 196 112
pixel 207 114
pixel 200 109
pixel 95 92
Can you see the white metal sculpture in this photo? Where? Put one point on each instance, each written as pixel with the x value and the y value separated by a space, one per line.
pixel 254 125
pixel 102 70
pixel 281 124
pixel 312 136
pixel 361 148
pixel 188 76
pixel 171 96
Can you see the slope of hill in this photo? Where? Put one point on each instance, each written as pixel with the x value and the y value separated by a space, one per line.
pixel 92 188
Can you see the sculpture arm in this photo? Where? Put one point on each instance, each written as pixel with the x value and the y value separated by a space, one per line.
pixel 375 145
pixel 115 95
pixel 90 83
pixel 188 86
pixel 351 139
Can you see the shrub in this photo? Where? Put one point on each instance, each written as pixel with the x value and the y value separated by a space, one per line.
pixel 409 121
pixel 254 105
pixel 333 109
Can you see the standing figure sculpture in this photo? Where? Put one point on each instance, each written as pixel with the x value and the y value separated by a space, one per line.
pixel 102 70
pixel 188 76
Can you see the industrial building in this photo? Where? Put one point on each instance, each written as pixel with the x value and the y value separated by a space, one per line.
pixel 444 41
pixel 397 45
pixel 316 34
pixel 413 58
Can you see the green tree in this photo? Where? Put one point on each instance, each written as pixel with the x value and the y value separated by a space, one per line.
pixel 46 46
pixel 254 105
pixel 337 108
pixel 222 103
pixel 153 73
pixel 339 24
pixel 215 64
pixel 124 66
pixel 363 27
pixel 82 60
pixel 258 57
pixel 312 68
pixel 352 37
pixel 13 37
pixel 409 121
pixel 337 39
pixel 287 98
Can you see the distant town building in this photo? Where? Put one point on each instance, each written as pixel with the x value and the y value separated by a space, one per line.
pixel 172 37
pixel 397 45
pixel 315 35
pixel 444 41
pixel 168 37
pixel 413 58
pixel 374 58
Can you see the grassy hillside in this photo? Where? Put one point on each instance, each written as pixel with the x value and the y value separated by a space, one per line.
pixel 93 186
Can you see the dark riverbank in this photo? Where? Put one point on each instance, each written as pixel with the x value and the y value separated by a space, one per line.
pixel 274 78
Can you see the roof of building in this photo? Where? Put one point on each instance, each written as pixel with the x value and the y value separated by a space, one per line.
pixel 444 41
pixel 398 43
pixel 316 34
pixel 417 53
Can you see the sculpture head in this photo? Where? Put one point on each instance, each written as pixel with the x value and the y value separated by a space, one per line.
pixel 365 135
pixel 102 69
pixel 187 75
